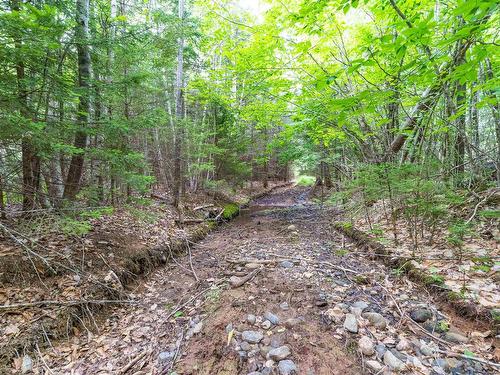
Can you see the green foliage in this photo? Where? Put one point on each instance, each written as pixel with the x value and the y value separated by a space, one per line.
pixel 305 180
pixel 434 277
pixel 443 326
pixel 412 194
pixel 483 264
pixel 96 213
pixel 143 214
pixel 72 227
pixel 490 214
pixel 457 232
pixel 230 210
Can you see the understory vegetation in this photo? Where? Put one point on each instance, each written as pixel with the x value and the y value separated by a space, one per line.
pixel 105 101
pixel 390 107
pixel 129 129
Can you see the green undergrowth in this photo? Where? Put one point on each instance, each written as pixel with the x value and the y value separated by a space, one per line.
pixel 143 214
pixel 230 210
pixel 305 180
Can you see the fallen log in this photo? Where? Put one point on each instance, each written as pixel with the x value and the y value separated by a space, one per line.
pixel 189 221
pixel 160 198
pixel 64 303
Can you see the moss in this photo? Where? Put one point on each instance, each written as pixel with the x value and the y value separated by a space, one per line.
pixel 230 211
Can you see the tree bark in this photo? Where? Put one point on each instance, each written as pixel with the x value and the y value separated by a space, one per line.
pixel 495 108
pixel 27 148
pixel 413 120
pixel 82 39
pixel 3 214
pixel 179 111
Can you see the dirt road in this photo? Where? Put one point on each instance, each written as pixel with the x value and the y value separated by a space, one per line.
pixel 314 305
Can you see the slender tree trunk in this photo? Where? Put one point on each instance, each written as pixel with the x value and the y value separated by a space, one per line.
pixel 495 108
pixel 179 111
pixel 82 39
pixel 460 127
pixel 27 148
pixel 424 104
pixel 475 152
pixel 3 214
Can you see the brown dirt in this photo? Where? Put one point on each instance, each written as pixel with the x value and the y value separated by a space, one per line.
pixel 134 336
pixel 131 242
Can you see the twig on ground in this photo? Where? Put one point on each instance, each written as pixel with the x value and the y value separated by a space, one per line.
pixel 64 303
pixel 477 206
pixel 425 332
pixel 181 306
pixel 43 360
pixel 131 364
pixel 203 207
pixel 463 356
pixel 236 281
pixel 405 316
pixel 219 215
pixel 191 262
pixel 176 262
pixel 176 355
pixel 256 261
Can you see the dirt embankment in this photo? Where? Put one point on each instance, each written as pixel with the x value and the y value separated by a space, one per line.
pixel 53 285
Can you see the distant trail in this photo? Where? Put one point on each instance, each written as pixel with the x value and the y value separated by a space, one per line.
pixel 299 309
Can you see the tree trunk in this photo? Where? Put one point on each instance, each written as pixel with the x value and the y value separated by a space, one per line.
pixel 460 127
pixel 82 39
pixel 27 148
pixel 495 108
pixel 3 214
pixel 425 103
pixel 179 111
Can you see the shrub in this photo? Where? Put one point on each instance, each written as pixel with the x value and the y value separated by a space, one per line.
pixel 304 180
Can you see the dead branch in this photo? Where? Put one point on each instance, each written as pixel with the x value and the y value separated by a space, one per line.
pixel 256 261
pixel 463 356
pixel 425 332
pixel 478 205
pixel 181 306
pixel 189 221
pixel 160 198
pixel 203 207
pixel 64 303
pixel 219 215
pixel 191 262
pixel 136 359
pixel 236 281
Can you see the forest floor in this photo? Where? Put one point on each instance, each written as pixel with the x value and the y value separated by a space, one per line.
pixel 276 291
pixel 57 271
pixel 471 271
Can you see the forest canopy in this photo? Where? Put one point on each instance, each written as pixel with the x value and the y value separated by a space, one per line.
pixel 101 100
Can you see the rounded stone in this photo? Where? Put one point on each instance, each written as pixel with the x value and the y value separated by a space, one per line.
pixel 350 323
pixel 278 354
pixel 252 337
pixel 366 346
pixel 421 314
pixel 287 367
